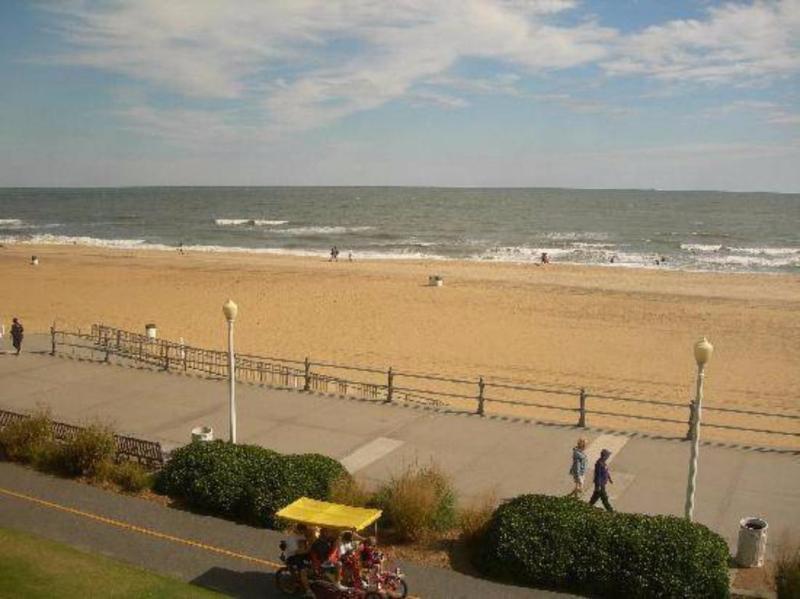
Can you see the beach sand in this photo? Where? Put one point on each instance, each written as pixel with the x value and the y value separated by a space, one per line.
pixel 614 331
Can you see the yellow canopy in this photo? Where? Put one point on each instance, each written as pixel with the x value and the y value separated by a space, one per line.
pixel 329 515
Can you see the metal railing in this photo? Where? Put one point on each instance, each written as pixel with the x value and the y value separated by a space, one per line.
pixel 478 395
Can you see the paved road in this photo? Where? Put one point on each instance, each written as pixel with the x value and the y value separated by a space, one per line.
pixel 98 529
pixel 377 441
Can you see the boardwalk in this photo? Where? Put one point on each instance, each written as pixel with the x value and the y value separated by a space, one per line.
pixel 376 441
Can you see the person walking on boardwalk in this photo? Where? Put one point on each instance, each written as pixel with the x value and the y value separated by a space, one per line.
pixel 578 468
pixel 16 334
pixel 602 475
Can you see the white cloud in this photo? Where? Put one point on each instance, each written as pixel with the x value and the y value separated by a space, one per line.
pixel 255 69
pixel 307 63
pixel 769 112
pixel 735 43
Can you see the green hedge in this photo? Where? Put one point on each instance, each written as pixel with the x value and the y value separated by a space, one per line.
pixel 562 543
pixel 245 481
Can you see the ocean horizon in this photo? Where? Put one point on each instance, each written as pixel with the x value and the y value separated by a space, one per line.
pixel 720 231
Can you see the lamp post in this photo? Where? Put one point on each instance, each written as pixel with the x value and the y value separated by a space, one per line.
pixel 702 354
pixel 230 309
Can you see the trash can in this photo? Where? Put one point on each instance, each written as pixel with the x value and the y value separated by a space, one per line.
pixel 752 544
pixel 203 433
pixel 151 331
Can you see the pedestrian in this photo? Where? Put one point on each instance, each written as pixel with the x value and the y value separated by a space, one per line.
pixel 578 468
pixel 602 475
pixel 16 334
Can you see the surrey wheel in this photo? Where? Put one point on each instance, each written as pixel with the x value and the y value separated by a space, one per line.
pixel 286 581
pixel 396 588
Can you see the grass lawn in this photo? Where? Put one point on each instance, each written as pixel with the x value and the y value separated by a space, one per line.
pixel 35 567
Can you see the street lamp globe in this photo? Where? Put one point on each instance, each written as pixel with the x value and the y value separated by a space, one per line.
pixel 702 351
pixel 230 309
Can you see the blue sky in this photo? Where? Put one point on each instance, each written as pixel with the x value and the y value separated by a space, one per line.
pixel 567 93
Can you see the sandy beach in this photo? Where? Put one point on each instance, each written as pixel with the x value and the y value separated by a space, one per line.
pixel 618 331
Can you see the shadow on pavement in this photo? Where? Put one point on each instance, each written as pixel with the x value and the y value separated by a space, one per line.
pixel 239 584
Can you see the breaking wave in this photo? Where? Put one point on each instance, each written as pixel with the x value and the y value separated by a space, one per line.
pixel 252 222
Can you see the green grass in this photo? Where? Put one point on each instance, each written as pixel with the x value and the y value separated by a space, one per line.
pixel 31 567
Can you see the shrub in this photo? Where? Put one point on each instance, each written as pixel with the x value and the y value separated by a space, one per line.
pixel 130 476
pixel 245 481
pixel 418 503
pixel 29 440
pixel 474 518
pixel 349 491
pixel 87 451
pixel 787 574
pixel 562 543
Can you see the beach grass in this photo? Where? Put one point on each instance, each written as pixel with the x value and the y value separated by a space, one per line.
pixel 34 568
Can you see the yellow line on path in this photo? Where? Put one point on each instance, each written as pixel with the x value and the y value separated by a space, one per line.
pixel 147 531
pixel 142 530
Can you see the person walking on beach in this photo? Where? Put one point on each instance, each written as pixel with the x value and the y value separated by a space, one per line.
pixel 602 475
pixel 578 469
pixel 16 334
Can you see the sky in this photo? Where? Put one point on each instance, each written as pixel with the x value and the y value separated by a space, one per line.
pixel 477 93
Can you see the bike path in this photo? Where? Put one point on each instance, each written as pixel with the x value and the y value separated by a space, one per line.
pixel 213 553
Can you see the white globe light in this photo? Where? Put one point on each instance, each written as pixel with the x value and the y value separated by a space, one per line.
pixel 702 351
pixel 230 309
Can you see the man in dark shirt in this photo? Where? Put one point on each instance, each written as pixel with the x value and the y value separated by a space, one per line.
pixel 602 475
pixel 16 334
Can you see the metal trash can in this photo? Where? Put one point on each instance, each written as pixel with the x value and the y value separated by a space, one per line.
pixel 151 331
pixel 752 544
pixel 203 433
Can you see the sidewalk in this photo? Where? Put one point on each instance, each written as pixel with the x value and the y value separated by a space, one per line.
pixel 249 575
pixel 376 441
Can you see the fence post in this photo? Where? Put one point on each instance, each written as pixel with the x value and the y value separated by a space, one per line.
pixel 53 339
pixel 390 386
pixel 481 399
pixel 119 340
pixel 582 417
pixel 307 375
pixel 692 415
pixel 166 358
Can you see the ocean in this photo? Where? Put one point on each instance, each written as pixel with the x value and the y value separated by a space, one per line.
pixel 687 230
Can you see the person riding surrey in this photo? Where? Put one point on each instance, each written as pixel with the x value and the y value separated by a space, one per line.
pixel 297 549
pixel 298 545
pixel 349 557
pixel 602 475
pixel 324 550
pixel 578 468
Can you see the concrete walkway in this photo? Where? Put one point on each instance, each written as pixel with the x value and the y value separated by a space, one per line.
pixel 376 441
